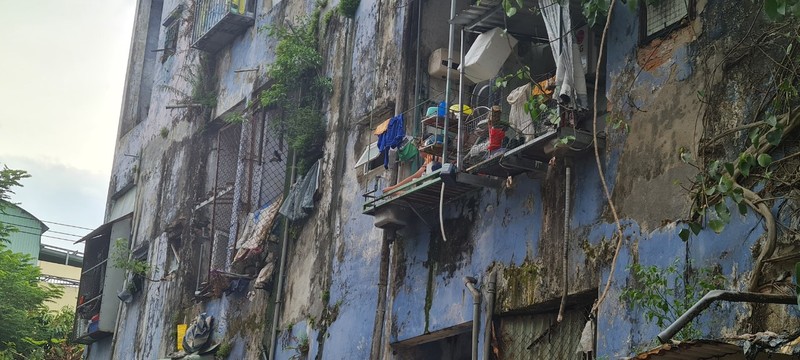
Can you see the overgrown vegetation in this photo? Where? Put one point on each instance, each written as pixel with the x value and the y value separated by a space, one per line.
pixel 748 177
pixel 123 260
pixel 235 118
pixel 298 87
pixel 223 351
pixel 202 98
pixel 348 8
pixel 663 295
pixel 30 330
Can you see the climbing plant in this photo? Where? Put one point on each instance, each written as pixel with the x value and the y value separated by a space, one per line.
pixel 298 86
pixel 758 174
pixel 664 294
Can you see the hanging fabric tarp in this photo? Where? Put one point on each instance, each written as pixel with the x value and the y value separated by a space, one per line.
pixel 259 223
pixel 570 77
pixel 197 334
pixel 300 201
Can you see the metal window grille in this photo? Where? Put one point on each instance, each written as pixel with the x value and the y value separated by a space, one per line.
pixel 663 14
pixel 170 40
pixel 260 158
pixel 270 157
pixel 539 336
pixel 217 208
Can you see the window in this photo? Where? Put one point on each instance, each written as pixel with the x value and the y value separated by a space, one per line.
pixel 171 24
pixel 370 157
pixel 661 16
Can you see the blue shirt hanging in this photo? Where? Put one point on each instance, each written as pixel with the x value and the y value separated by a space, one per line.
pixel 392 138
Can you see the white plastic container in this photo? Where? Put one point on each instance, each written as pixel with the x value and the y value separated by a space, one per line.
pixel 487 55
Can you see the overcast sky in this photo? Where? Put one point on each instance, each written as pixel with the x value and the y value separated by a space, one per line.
pixel 62 69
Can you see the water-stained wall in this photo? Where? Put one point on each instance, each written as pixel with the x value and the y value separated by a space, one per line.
pixel 330 289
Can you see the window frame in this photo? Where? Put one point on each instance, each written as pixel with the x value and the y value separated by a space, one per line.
pixel 683 21
pixel 171 26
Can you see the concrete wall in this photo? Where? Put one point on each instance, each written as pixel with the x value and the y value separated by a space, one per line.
pixel 334 255
pixel 70 297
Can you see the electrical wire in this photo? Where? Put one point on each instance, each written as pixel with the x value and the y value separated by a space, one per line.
pixel 42 235
pixel 50 222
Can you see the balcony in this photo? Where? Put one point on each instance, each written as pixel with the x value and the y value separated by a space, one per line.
pixel 218 22
pixel 396 208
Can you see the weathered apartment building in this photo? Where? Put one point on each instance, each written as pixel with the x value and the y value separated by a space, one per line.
pixel 509 250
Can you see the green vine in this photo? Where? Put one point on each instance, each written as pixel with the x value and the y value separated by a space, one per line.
pixel 663 295
pixel 749 178
pixel 298 87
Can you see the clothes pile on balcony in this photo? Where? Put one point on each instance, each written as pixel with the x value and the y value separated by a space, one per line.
pixel 300 201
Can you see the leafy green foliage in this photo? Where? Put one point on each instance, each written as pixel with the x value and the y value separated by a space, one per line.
pixel 780 9
pixel 8 178
pixel 348 8
pixel 235 118
pixel 536 106
pixel 22 302
pixel 29 329
pixel 595 10
pixel 298 86
pixel 123 260
pixel 716 185
pixel 663 295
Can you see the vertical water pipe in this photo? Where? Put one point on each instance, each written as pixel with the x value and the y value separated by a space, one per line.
pixel 281 272
pixel 469 282
pixel 416 72
pixel 487 325
pixel 450 40
pixel 459 139
pixel 565 264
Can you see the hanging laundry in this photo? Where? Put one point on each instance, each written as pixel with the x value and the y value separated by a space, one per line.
pixel 382 127
pixel 570 77
pixel 518 117
pixel 392 138
pixel 408 152
pixel 259 224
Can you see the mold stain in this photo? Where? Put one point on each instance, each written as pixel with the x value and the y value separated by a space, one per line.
pixel 520 286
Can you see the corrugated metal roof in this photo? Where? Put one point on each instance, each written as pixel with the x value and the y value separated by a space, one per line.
pixel 763 345
pixel 700 349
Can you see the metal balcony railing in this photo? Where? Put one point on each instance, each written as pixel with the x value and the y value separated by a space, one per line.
pixel 218 22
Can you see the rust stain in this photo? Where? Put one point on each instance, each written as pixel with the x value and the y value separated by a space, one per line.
pixel 658 51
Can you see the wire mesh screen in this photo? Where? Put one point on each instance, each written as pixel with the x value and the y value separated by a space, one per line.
pixel 662 14
pixel 270 165
pixel 540 336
